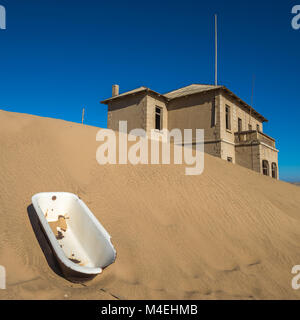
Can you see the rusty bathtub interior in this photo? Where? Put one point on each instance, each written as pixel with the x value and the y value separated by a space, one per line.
pixel 81 244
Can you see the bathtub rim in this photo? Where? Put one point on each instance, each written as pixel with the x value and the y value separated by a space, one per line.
pixel 55 244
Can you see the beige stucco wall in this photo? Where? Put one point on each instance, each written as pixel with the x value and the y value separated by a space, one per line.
pixel 138 111
pixel 251 157
pixel 269 154
pixel 248 156
pixel 199 111
pixel 213 148
pixel 227 136
pixel 227 150
pixel 237 111
pixel 194 112
pixel 132 109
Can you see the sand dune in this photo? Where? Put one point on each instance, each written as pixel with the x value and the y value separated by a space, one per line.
pixel 229 233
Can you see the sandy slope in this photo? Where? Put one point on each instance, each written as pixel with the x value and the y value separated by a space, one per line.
pixel 227 234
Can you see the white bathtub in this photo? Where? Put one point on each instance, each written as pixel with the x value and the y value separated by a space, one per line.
pixel 80 243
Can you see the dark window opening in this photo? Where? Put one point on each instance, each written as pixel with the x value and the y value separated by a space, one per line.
pixel 257 127
pixel 239 124
pixel 250 127
pixel 265 165
pixel 158 118
pixel 274 170
pixel 227 117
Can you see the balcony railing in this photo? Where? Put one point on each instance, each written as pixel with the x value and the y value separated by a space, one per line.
pixel 253 136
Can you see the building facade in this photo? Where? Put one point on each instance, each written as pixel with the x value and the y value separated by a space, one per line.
pixel 233 129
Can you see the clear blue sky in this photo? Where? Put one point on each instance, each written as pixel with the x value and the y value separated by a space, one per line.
pixel 60 55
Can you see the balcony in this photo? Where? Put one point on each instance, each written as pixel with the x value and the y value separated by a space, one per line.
pixel 248 137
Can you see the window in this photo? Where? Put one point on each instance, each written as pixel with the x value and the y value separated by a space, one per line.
pixel 240 125
pixel 250 127
pixel 257 128
pixel 274 170
pixel 227 118
pixel 265 165
pixel 229 159
pixel 158 118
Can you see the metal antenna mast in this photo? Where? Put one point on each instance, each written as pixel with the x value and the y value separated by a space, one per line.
pixel 216 50
pixel 82 117
pixel 252 95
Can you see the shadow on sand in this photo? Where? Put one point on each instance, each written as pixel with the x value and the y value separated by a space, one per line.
pixel 43 241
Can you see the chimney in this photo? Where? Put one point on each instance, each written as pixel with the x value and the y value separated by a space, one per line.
pixel 115 90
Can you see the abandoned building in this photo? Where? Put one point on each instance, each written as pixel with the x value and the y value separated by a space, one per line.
pixel 233 129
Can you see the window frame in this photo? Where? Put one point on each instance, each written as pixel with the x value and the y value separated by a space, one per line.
pixel 228 117
pixel 274 170
pixel 267 168
pixel 160 114
pixel 240 122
